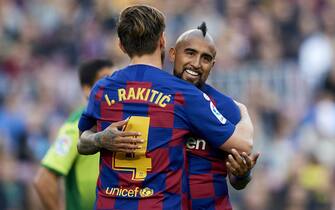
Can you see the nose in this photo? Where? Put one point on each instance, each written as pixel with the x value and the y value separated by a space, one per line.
pixel 196 62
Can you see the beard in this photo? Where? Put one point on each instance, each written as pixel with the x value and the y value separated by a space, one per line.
pixel 176 73
pixel 180 74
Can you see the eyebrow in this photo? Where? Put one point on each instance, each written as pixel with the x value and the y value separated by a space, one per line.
pixel 203 54
pixel 190 49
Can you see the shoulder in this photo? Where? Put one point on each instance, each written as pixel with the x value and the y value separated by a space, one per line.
pixel 69 129
pixel 103 82
pixel 98 88
pixel 225 104
pixel 216 95
pixel 209 90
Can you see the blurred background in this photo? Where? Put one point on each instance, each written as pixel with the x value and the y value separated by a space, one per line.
pixel 276 56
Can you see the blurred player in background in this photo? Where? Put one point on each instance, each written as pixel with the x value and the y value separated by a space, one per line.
pixel 164 108
pixel 193 57
pixel 62 159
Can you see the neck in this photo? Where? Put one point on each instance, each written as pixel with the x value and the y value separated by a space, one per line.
pixel 148 59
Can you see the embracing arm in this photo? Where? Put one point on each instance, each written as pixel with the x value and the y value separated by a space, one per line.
pixel 88 144
pixel 242 138
pixel 112 139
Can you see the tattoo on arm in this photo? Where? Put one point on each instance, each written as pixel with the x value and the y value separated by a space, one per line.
pixel 102 136
pixel 98 139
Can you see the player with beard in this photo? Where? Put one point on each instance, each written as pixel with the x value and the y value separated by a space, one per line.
pixel 146 173
pixel 193 58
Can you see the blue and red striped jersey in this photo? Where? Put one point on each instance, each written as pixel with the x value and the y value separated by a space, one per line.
pixel 165 109
pixel 206 164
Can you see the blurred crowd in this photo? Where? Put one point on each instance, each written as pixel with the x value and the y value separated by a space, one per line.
pixel 276 56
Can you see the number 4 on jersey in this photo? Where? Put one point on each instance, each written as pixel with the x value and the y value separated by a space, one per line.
pixel 137 162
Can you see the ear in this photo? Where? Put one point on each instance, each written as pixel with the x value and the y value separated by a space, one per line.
pixel 86 90
pixel 121 46
pixel 213 63
pixel 172 54
pixel 162 40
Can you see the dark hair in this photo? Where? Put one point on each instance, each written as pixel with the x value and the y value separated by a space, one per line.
pixel 139 29
pixel 203 28
pixel 88 70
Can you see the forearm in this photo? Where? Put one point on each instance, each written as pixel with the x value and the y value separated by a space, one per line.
pixel 244 131
pixel 87 144
pixel 242 138
pixel 47 187
pixel 239 183
pixel 244 134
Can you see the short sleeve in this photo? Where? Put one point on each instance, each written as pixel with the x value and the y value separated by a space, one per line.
pixel 206 120
pixel 63 151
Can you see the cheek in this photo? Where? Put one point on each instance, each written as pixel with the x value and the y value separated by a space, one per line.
pixel 178 66
pixel 180 62
pixel 207 70
pixel 182 59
